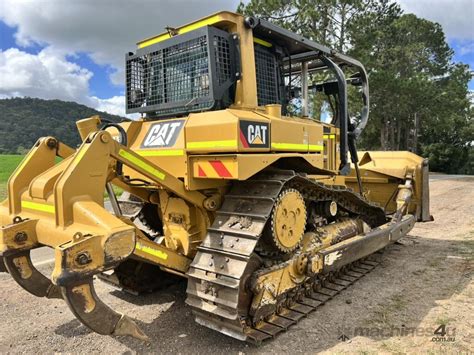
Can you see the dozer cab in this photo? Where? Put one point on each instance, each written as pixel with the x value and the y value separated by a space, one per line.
pixel 263 204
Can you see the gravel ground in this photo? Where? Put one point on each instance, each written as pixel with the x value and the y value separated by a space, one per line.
pixel 423 283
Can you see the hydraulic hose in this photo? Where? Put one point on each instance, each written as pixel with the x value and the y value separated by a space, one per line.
pixel 123 141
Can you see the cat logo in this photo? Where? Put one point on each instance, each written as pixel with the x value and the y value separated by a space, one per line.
pixel 254 134
pixel 163 134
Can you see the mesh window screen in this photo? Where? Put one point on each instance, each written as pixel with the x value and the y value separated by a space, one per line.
pixel 223 59
pixel 267 79
pixel 186 73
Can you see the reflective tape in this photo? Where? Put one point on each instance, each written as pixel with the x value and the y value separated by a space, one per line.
pixel 155 252
pixel 297 146
pixel 193 26
pixel 232 143
pixel 315 148
pixel 42 207
pixel 161 153
pixel 262 42
pixel 142 164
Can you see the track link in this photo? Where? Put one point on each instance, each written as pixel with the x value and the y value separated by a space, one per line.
pixel 218 274
pixel 304 304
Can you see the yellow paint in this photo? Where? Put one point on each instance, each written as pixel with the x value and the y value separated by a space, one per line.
pixel 79 155
pixel 213 144
pixel 315 148
pixel 262 42
pixel 329 136
pixel 297 146
pixel 158 253
pixel 142 164
pixel 161 153
pixel 22 165
pixel 38 206
pixel 23 267
pixel 191 27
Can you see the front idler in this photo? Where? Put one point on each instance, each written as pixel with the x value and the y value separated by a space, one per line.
pixel 93 313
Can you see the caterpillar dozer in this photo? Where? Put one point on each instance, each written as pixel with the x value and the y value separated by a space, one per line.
pixel 235 183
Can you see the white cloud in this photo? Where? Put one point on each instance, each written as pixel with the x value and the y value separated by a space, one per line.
pixel 49 75
pixel 456 16
pixel 114 105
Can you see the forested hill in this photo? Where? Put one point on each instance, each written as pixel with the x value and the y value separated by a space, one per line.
pixel 24 120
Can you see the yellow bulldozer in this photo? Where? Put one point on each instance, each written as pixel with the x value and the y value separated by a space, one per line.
pixel 263 204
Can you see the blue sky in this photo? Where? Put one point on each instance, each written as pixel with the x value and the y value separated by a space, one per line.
pixel 464 52
pixel 76 53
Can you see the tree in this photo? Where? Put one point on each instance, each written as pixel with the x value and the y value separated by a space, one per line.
pixel 24 120
pixel 419 96
pixel 416 89
pixel 324 21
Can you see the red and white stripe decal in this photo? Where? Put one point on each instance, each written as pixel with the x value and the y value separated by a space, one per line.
pixel 215 169
pixel 220 168
pixel 201 172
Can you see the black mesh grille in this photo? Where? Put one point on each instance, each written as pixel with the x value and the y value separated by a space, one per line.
pixel 186 72
pixel 223 59
pixel 177 78
pixel 266 71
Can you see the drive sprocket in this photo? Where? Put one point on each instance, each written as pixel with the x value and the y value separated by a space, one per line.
pixel 288 220
pixel 150 217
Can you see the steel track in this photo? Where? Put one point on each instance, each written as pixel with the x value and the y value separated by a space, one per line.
pixel 218 275
pixel 309 301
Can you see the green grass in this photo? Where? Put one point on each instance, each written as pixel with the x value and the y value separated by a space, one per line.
pixel 117 192
pixel 8 163
pixel 443 320
pixel 3 191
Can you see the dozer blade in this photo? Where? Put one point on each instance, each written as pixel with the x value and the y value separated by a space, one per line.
pixel 96 315
pixel 21 269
